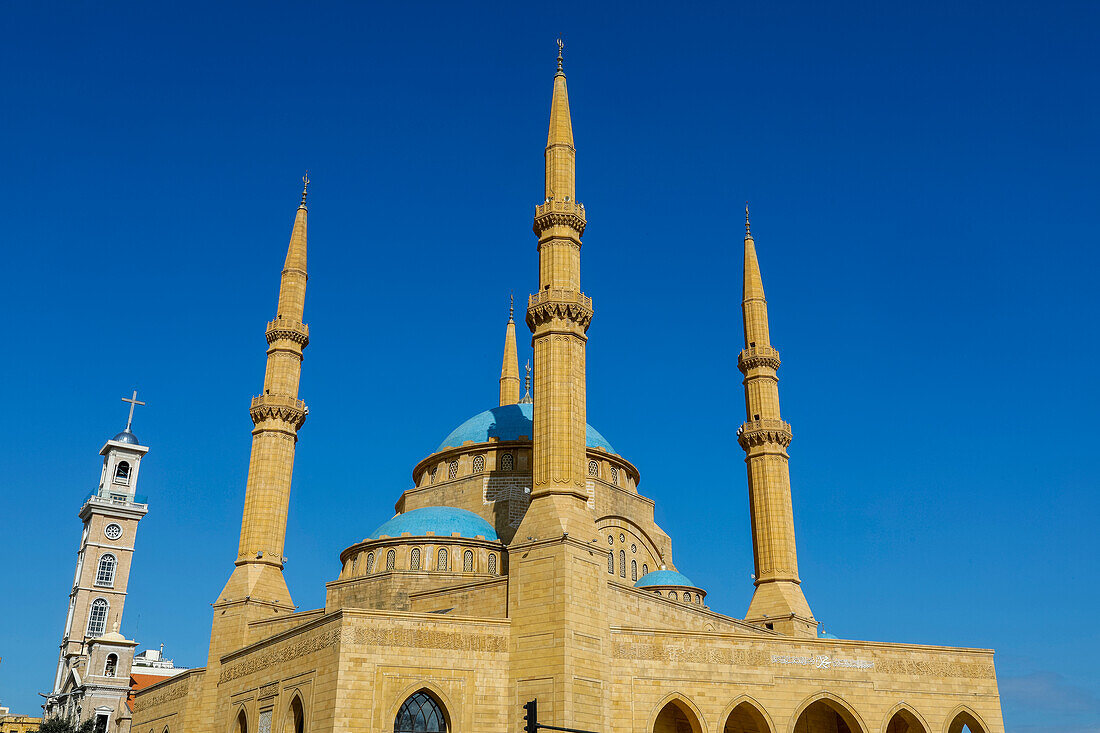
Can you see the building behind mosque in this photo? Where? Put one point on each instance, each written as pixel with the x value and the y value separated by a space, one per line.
pixel 524 564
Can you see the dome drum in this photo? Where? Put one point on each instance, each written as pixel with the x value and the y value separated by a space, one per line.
pixel 674 586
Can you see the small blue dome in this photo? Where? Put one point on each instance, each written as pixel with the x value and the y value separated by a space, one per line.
pixel 664 577
pixel 821 634
pixel 442 520
pixel 126 437
pixel 507 422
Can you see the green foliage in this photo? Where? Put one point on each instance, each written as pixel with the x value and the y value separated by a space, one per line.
pixel 57 725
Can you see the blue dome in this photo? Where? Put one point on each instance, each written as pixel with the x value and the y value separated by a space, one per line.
pixel 507 422
pixel 664 577
pixel 442 520
pixel 126 437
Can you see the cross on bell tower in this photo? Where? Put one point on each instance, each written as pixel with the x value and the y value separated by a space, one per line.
pixel 134 402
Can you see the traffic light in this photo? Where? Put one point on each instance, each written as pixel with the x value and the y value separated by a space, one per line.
pixel 531 716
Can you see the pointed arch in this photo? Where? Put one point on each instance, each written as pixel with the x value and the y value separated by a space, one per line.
pixel 433 691
pixel 294 720
pixel 826 705
pixel 904 719
pixel 240 721
pixel 673 712
pixel 963 715
pixel 746 715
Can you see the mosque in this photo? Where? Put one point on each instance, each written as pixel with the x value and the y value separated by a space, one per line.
pixel 523 564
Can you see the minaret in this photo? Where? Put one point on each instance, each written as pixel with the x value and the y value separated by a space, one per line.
pixel 509 370
pixel 559 315
pixel 256 589
pixel 778 602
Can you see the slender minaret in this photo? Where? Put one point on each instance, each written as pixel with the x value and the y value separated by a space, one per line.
pixel 778 602
pixel 256 589
pixel 509 370
pixel 559 315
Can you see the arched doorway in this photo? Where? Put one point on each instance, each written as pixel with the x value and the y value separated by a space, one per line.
pixel 746 718
pixel 826 716
pixel 904 721
pixel 676 717
pixel 421 713
pixel 242 723
pixel 964 719
pixel 295 717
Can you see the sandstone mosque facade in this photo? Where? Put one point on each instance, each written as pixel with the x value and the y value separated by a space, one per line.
pixel 523 564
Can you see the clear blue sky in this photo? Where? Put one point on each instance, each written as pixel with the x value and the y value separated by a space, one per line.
pixel 924 183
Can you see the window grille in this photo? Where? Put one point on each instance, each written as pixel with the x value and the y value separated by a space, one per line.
pixel 105 573
pixel 122 473
pixel 370 563
pixel 112 666
pixel 698 598
pixel 673 596
pixel 97 617
pixel 593 468
pixel 645 570
pixel 354 564
pixel 634 570
pixel 614 475
pixel 414 559
pixel 687 598
pixel 611 562
pixel 441 559
pixel 452 469
pixel 468 561
pixel 622 563
pixel 507 462
pixel 391 559
pixel 420 714
pixel 435 470
pixel 492 564
pixel 479 464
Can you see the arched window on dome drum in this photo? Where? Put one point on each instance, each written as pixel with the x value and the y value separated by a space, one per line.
pixel 687 598
pixel 611 562
pixel 105 573
pixel 622 563
pixel 593 468
pixel 435 470
pixel 492 564
pixel 122 473
pixel 414 559
pixel 634 570
pixel 614 475
pixel 507 462
pixel 672 595
pixel 452 469
pixel 479 464
pixel 354 564
pixel 645 570
pixel 370 563
pixel 468 561
pixel 111 669
pixel 441 559
pixel 698 598
pixel 420 714
pixel 391 559
pixel 97 617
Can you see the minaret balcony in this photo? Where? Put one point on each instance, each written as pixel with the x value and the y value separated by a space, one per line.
pixel 555 213
pixel 755 357
pixel 761 432
pixel 277 407
pixel 559 307
pixel 284 328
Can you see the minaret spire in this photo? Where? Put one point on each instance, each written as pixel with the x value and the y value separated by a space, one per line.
pixel 257 588
pixel 778 602
pixel 509 369
pixel 559 315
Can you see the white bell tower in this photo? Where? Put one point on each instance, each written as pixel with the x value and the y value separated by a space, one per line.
pixel 93 668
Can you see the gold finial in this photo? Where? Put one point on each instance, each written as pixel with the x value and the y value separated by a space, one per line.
pixel 305 190
pixel 527 384
pixel 561 45
pixel 511 305
pixel 748 234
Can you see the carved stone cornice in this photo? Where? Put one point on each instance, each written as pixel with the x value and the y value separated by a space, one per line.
pixel 761 432
pixel 276 407
pixel 284 328
pixel 758 356
pixel 559 309
pixel 559 213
